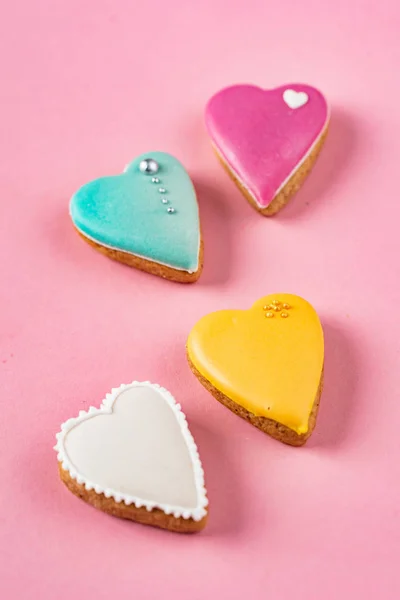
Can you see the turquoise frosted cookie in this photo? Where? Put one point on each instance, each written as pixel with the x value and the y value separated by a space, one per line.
pixel 147 217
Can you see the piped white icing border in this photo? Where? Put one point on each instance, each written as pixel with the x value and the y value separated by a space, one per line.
pixel 106 407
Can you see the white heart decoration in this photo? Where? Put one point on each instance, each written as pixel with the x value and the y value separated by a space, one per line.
pixel 137 449
pixel 295 99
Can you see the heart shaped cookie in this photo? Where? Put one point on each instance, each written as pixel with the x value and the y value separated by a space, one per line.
pixel 268 140
pixel 147 217
pixel 265 364
pixel 135 458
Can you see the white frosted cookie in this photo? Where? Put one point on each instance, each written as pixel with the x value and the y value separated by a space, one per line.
pixel 135 458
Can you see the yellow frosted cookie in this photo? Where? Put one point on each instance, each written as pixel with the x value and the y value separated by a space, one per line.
pixel 265 364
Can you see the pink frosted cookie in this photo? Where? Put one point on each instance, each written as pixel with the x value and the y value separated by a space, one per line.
pixel 268 140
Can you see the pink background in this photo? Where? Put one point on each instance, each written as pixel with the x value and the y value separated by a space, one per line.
pixel 85 87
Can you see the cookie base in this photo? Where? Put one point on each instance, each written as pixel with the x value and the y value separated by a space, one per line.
pixel 277 430
pixel 149 266
pixel 291 186
pixel 155 517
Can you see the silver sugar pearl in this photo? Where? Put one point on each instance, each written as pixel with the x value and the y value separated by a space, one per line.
pixel 162 190
pixel 170 209
pixel 148 165
pixel 164 200
pixel 155 180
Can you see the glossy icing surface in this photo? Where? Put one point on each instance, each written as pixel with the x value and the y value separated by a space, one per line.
pixel 136 448
pixel 264 135
pixel 268 359
pixel 126 212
